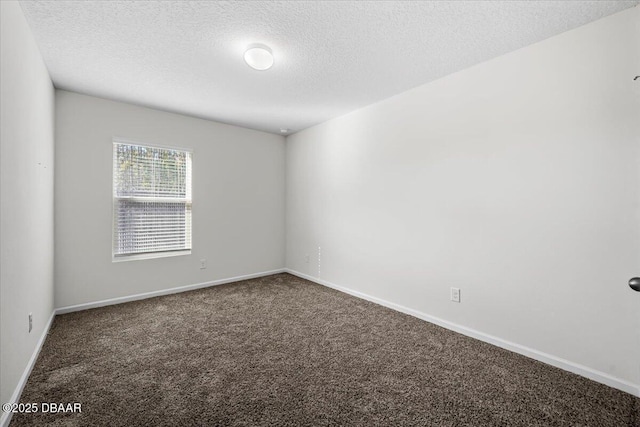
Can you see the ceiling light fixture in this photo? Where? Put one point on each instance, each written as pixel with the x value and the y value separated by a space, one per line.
pixel 259 57
pixel 284 130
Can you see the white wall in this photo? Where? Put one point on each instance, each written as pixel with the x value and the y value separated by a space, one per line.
pixel 26 196
pixel 238 200
pixel 515 180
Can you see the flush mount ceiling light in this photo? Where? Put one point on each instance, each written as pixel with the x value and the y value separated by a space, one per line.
pixel 259 57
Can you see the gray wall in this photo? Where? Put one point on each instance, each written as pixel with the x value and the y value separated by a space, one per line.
pixel 26 196
pixel 515 180
pixel 238 200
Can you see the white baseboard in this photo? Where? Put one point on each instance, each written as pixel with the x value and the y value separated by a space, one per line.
pixel 5 419
pixel 549 359
pixel 120 300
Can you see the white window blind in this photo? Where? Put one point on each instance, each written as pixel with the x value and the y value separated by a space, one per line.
pixel 151 200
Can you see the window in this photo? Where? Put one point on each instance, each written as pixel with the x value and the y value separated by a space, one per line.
pixel 151 201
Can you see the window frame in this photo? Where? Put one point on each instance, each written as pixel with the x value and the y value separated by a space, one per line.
pixel 147 255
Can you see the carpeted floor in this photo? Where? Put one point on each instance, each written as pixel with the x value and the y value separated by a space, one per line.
pixel 283 351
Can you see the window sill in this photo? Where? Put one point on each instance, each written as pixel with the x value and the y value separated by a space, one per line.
pixel 138 257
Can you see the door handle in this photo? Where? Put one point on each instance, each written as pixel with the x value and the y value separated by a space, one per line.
pixel 634 283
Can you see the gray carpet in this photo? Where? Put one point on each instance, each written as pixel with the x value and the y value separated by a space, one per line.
pixel 286 352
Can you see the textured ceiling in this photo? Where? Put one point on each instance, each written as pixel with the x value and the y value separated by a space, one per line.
pixel 330 57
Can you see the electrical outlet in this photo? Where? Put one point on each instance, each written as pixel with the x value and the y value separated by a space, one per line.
pixel 30 322
pixel 455 294
pixel 306 259
pixel 203 264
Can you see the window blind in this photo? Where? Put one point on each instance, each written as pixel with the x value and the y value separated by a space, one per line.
pixel 151 198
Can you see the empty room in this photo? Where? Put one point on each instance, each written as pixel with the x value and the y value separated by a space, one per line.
pixel 320 213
